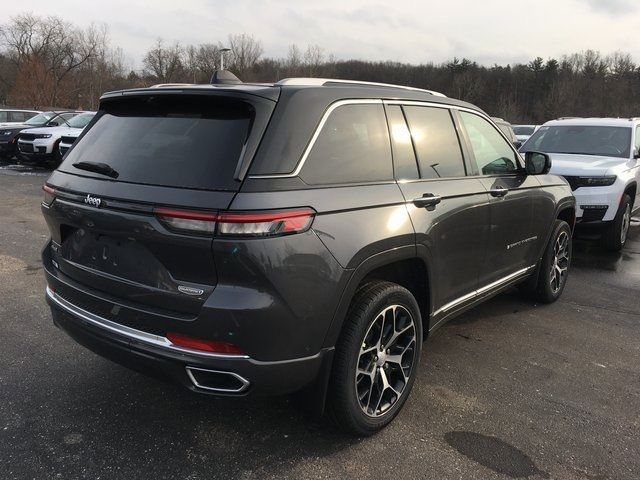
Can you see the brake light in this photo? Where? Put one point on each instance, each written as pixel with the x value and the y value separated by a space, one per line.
pixel 212 346
pixel 265 224
pixel 49 194
pixel 187 220
pixel 237 224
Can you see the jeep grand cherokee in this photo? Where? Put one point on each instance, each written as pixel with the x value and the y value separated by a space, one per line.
pixel 307 234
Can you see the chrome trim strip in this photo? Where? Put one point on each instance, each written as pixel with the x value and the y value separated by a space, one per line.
pixel 244 381
pixel 482 290
pixel 306 81
pixel 339 103
pixel 316 134
pixel 132 333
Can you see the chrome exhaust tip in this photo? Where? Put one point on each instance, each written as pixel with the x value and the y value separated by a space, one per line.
pixel 216 380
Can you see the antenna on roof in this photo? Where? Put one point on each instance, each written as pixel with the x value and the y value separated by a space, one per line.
pixel 224 77
pixel 222 52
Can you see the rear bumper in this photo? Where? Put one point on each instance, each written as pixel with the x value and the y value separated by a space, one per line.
pixel 141 352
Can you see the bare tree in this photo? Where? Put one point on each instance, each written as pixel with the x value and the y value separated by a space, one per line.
pixel 164 64
pixel 45 51
pixel 245 53
pixel 294 60
pixel 313 58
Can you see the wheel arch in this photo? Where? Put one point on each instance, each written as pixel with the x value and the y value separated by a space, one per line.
pixel 567 212
pixel 399 265
pixel 388 263
pixel 632 190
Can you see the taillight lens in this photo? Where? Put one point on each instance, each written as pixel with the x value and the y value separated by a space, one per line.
pixel 265 224
pixel 187 220
pixel 201 344
pixel 237 224
pixel 49 194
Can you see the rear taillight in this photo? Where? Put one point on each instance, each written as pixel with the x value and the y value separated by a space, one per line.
pixel 201 344
pixel 49 194
pixel 237 224
pixel 187 220
pixel 264 224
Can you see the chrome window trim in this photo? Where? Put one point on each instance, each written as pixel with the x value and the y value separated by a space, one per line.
pixel 243 381
pixel 462 109
pixel 480 291
pixel 365 101
pixel 316 134
pixel 131 333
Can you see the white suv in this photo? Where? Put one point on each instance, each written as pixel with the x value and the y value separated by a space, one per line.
pixel 42 143
pixel 600 158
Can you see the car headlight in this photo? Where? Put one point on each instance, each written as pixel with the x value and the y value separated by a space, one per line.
pixel 43 135
pixel 6 133
pixel 596 181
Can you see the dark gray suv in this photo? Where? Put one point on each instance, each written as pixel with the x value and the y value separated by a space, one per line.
pixel 304 235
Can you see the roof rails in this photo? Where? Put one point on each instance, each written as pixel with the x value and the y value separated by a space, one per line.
pixel 160 85
pixel 301 81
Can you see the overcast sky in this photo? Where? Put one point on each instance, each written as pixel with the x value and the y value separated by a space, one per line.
pixel 488 31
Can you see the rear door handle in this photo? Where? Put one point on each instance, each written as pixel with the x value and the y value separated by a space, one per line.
pixel 427 200
pixel 498 191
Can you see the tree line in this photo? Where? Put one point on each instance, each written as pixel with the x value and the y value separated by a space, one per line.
pixel 48 62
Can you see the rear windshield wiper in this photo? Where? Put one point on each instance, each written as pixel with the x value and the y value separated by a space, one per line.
pixel 101 168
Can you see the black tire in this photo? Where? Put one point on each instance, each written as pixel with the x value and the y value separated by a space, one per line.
pixel 547 286
pixel 615 236
pixel 371 309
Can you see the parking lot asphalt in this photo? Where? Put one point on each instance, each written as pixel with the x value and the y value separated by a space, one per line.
pixel 508 390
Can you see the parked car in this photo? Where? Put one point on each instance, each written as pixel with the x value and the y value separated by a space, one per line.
pixel 9 117
pixel 9 135
pixel 505 127
pixel 42 143
pixel 599 157
pixel 523 132
pixel 306 234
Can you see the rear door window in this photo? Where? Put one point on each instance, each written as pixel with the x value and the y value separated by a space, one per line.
pixel 436 142
pixel 493 154
pixel 175 141
pixel 4 117
pixel 352 147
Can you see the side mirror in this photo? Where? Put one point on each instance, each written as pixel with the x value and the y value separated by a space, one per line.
pixel 636 153
pixel 53 124
pixel 537 163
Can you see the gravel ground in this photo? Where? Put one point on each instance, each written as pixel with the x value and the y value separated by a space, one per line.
pixel 508 390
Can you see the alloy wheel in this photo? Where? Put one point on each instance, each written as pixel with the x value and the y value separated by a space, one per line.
pixel 560 264
pixel 626 223
pixel 385 360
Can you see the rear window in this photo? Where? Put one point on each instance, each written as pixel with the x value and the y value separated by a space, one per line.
pixel 175 141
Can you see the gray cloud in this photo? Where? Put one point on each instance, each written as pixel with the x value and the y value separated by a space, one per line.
pixel 416 31
pixel 613 7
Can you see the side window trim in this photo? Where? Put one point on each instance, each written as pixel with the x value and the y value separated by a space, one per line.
pixel 452 114
pixel 384 152
pixel 413 143
pixel 457 109
pixel 472 156
pixel 316 133
pixel 394 153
